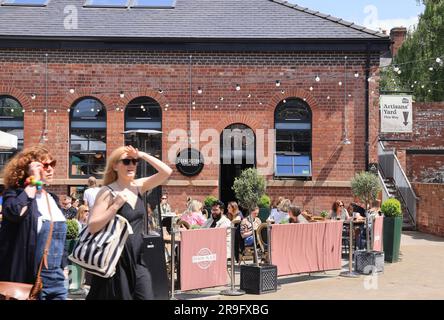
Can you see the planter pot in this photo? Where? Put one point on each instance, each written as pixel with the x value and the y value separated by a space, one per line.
pixel 264 213
pixel 369 262
pixel 258 279
pixel 392 238
pixel 69 245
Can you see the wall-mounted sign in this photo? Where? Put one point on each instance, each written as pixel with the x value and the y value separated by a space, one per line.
pixel 189 162
pixel 396 114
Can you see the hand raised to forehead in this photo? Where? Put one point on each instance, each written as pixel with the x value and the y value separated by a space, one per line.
pixel 132 152
pixel 35 169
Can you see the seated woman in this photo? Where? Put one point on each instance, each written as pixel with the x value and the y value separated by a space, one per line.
pixel 338 211
pixel 193 215
pixel 234 214
pixel 296 215
pixel 281 214
pixel 246 228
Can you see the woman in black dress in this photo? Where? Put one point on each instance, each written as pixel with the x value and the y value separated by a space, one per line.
pixel 122 194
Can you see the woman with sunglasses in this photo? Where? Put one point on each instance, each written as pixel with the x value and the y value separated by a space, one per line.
pixel 338 211
pixel 28 212
pixel 122 194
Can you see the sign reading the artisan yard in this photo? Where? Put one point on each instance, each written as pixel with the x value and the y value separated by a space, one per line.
pixel 189 162
pixel 396 114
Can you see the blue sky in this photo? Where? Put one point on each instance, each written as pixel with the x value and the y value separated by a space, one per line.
pixel 374 14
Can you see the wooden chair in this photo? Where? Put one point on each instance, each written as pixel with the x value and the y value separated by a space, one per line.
pixel 184 224
pixel 262 239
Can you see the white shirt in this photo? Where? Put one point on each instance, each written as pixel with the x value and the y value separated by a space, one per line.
pixel 278 216
pixel 223 222
pixel 42 206
pixel 90 195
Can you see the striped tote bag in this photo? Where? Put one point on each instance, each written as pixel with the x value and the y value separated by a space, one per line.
pixel 99 253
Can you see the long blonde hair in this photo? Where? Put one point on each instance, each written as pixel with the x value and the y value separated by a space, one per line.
pixel 110 175
pixel 81 213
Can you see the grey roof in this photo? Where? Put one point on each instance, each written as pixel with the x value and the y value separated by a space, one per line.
pixel 190 19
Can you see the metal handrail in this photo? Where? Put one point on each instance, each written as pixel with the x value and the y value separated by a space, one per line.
pixel 385 192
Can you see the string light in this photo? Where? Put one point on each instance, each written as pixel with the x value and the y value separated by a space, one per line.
pixel 122 95
pixel 340 83
pixel 356 74
pixel 221 98
pixel 33 110
pixel 44 110
pixel 284 101
pixel 317 79
pixel 194 103
pixel 328 98
pixel 71 91
pixel 431 69
pixel 239 105
pixel 160 91
pixel 311 88
pixel 55 111
pixel 117 109
pixel 199 90
pixel 68 110
pixel 215 107
pixel 33 96
pixel 238 87
pixel 278 83
pixel 283 91
pixel 167 105
pixel 249 96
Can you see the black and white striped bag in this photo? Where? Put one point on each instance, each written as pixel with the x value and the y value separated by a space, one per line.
pixel 99 253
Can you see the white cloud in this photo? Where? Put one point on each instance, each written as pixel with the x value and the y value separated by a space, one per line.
pixel 373 22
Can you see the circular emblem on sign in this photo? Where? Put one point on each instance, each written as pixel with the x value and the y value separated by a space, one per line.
pixel 204 258
pixel 189 162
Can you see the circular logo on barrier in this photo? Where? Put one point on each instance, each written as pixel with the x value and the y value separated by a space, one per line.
pixel 189 162
pixel 204 258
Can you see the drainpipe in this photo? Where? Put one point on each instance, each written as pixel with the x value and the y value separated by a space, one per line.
pixel 367 108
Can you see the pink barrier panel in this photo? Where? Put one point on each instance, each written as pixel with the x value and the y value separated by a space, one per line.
pixel 300 248
pixel 377 233
pixel 203 258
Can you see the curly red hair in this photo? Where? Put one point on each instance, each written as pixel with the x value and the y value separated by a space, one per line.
pixel 16 170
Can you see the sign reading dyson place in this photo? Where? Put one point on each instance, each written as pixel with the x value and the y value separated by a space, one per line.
pixel 396 114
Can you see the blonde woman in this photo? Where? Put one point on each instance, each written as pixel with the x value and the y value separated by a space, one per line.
pixel 122 194
pixel 82 216
pixel 193 215
pixel 281 214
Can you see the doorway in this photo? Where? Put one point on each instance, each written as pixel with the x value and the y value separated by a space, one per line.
pixel 238 152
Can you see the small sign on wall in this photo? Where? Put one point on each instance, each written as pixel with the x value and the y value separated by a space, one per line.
pixel 396 114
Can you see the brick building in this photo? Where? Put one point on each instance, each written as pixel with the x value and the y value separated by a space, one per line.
pixel 84 74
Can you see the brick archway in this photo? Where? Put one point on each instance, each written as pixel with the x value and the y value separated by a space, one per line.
pixel 295 93
pixel 233 119
pixel 17 94
pixel 83 93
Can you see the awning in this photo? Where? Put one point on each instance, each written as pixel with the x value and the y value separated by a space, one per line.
pixel 7 141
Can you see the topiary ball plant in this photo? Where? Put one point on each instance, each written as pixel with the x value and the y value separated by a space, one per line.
pixel 264 202
pixel 72 231
pixel 208 202
pixel 391 208
pixel 324 214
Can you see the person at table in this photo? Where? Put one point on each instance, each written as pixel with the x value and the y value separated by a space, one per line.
pixel 246 227
pixel 338 211
pixel 295 215
pixel 307 214
pixel 281 214
pixel 234 214
pixel 165 207
pixel 274 208
pixel 219 220
pixel 193 214
pixel 358 208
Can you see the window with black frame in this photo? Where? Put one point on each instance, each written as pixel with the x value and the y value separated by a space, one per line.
pixel 11 121
pixel 293 124
pixel 87 147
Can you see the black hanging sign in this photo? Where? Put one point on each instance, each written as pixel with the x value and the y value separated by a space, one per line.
pixel 189 162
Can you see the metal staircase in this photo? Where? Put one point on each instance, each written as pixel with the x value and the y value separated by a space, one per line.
pixel 396 185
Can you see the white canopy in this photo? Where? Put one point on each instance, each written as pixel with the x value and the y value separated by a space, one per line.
pixel 7 141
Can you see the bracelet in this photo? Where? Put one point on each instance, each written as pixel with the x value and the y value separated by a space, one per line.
pixel 31 181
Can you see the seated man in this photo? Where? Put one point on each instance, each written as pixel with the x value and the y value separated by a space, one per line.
pixel 219 220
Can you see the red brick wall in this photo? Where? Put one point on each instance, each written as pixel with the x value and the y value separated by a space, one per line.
pixel 104 74
pixel 427 168
pixel 430 208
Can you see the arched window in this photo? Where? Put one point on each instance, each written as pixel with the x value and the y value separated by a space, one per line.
pixel 87 148
pixel 144 113
pixel 293 119
pixel 11 121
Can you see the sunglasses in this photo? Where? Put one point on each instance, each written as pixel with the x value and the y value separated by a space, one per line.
pixel 126 162
pixel 52 164
pixel 164 198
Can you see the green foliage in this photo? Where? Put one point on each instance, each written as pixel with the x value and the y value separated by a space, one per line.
pixel 365 186
pixel 208 202
pixel 72 230
pixel 391 208
pixel 264 202
pixel 417 55
pixel 249 188
pixel 324 214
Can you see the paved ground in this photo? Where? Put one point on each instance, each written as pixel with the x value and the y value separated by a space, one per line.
pixel 419 275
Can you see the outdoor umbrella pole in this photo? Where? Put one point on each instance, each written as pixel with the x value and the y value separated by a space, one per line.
pixel 256 260
pixel 173 244
pixel 350 273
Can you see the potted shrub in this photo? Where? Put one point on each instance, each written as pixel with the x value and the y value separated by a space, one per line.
pixel 255 279
pixel 392 229
pixel 264 207
pixel 208 203
pixel 75 271
pixel 365 186
pixel 324 214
